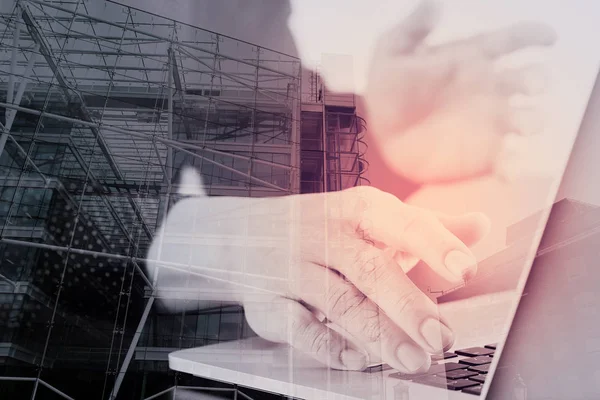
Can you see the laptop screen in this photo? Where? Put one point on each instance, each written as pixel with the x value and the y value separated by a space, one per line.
pixel 552 348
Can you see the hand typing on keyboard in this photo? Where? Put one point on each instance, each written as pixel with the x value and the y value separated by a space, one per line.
pixel 338 255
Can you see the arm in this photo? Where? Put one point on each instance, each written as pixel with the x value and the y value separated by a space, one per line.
pixel 338 253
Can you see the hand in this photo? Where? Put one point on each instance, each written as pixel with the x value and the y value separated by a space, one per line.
pixel 441 113
pixel 291 258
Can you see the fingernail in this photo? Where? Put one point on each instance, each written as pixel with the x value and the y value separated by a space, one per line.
pixel 353 359
pixel 437 335
pixel 460 264
pixel 411 357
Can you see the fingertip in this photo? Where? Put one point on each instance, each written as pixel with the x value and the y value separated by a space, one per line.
pixel 482 222
pixel 353 359
pixel 460 264
pixel 438 336
pixel 476 226
pixel 469 274
pixel 411 358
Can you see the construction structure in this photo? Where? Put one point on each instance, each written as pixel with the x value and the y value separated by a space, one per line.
pixel 101 106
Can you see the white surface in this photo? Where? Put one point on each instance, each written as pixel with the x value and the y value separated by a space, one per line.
pixel 276 368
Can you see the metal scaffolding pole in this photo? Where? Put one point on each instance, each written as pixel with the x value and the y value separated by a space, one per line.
pixel 46 51
pixel 168 142
pixel 107 153
pixel 150 302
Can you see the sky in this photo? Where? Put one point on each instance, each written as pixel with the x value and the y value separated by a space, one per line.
pixel 350 27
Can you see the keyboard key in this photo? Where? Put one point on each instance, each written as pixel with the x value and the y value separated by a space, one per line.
pixel 444 356
pixel 476 360
pixel 474 352
pixel 435 369
pixel 482 369
pixel 441 382
pixel 377 368
pixel 474 390
pixel 491 346
pixel 459 374
pixel 439 368
pixel 478 378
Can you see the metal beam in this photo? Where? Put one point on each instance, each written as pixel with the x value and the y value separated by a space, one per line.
pixel 10 97
pixel 46 51
pixel 171 143
pixel 180 90
pixel 168 40
pixel 97 185
pixel 131 350
pixel 230 76
pixel 169 177
pixel 55 390
pixel 169 181
pixel 13 62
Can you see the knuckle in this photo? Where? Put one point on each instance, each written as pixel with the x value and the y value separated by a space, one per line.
pixel 407 301
pixel 372 329
pixel 364 191
pixel 417 221
pixel 350 307
pixel 344 301
pixel 320 343
pixel 310 336
pixel 369 266
pixel 363 197
pixel 300 323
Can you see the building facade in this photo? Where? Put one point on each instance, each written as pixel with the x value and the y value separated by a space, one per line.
pixel 102 106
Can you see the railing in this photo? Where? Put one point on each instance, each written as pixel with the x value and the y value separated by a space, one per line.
pixel 234 390
pixel 37 382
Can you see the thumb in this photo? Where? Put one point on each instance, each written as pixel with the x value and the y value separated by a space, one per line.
pixel 406 36
pixel 469 228
pixel 191 183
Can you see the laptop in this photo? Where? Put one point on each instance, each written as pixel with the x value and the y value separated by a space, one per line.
pixel 550 350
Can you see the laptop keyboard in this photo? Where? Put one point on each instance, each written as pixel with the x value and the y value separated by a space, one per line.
pixel 462 370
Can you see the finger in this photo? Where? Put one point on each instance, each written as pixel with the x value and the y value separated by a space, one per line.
pixel 513 38
pixel 405 260
pixel 359 318
pixel 410 33
pixel 531 80
pixel 287 321
pixel 385 219
pixel 469 228
pixel 374 272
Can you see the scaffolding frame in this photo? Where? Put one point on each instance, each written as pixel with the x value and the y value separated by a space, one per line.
pixel 130 103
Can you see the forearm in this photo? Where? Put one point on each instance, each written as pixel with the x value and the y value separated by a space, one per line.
pixel 214 248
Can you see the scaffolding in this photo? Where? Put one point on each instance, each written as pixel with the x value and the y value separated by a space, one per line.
pixel 333 147
pixel 103 106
